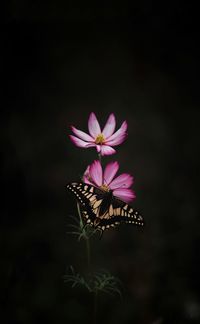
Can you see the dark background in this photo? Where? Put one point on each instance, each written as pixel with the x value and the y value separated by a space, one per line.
pixel 60 61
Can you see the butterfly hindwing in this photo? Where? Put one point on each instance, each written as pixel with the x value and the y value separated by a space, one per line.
pixel 120 212
pixel 101 209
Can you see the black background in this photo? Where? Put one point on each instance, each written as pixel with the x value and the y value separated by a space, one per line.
pixel 60 61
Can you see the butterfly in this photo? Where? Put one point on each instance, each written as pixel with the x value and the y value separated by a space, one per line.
pixel 101 209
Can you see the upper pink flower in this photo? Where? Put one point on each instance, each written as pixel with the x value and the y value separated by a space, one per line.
pixel 119 186
pixel 104 139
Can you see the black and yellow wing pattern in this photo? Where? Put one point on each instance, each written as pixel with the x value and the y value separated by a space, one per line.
pixel 101 209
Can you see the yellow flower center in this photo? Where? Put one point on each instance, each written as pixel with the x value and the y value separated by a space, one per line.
pixel 100 139
pixel 105 187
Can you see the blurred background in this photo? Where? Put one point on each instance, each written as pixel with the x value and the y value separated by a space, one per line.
pixel 60 61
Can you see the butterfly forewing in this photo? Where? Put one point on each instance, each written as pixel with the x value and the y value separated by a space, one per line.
pixel 101 209
pixel 84 195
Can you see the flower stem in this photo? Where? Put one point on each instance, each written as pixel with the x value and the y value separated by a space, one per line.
pixel 99 155
pixel 79 213
pixel 87 239
pixel 88 252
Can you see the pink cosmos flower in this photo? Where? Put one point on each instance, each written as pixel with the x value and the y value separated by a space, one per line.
pixel 104 139
pixel 119 186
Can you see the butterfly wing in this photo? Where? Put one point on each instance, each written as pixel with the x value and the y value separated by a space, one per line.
pixel 101 209
pixel 87 196
pixel 120 212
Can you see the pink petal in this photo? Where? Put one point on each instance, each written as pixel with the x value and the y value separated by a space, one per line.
pixel 126 195
pixel 110 126
pixel 117 141
pixel 78 142
pixel 82 135
pixel 85 180
pixel 98 148
pixel 110 171
pixel 86 176
pixel 125 180
pixel 119 136
pixel 96 173
pixel 93 126
pixel 107 150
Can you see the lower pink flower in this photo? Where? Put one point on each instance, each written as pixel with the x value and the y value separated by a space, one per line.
pixel 105 180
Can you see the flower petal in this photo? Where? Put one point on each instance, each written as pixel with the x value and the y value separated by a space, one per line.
pixel 110 171
pixel 78 142
pixel 124 180
pixel 119 136
pixel 109 126
pixel 98 148
pixel 82 135
pixel 107 150
pixel 85 180
pixel 127 195
pixel 93 125
pixel 86 176
pixel 96 172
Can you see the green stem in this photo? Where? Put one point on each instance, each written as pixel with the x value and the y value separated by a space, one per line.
pixel 99 155
pixel 87 240
pixel 79 213
pixel 88 252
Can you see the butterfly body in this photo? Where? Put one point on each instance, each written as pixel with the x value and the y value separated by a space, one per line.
pixel 101 209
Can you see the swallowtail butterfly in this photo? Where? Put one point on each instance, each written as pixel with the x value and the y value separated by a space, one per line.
pixel 101 209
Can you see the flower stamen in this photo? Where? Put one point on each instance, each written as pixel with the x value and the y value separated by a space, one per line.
pixel 100 139
pixel 104 187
